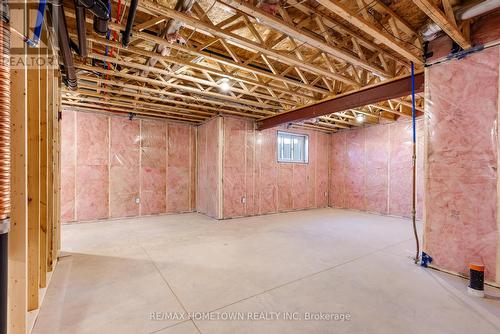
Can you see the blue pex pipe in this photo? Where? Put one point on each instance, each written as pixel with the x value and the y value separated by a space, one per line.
pixel 39 23
pixel 108 35
pixel 414 160
pixel 413 113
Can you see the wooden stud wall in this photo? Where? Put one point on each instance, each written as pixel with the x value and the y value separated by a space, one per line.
pixel 35 225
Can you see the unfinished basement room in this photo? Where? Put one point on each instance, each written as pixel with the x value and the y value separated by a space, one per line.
pixel 249 166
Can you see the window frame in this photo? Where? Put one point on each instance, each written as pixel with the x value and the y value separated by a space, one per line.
pixel 305 147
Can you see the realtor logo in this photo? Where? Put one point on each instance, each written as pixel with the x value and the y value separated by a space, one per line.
pixel 30 37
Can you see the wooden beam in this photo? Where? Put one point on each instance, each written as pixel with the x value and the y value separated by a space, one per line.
pixel 184 62
pixel 166 93
pixel 301 35
pixel 222 61
pixel 213 84
pixel 126 108
pixel 244 42
pixel 57 167
pixel 444 22
pixel 33 187
pixel 43 100
pixel 343 30
pixel 50 169
pixel 223 99
pixel 18 235
pixel 82 95
pixel 88 90
pixel 368 95
pixel 369 28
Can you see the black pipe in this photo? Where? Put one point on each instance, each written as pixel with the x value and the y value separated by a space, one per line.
pixel 102 15
pixel 100 26
pixel 4 244
pixel 67 58
pixel 130 22
pixel 80 27
pixel 96 7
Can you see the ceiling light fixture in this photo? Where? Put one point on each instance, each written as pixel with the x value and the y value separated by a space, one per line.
pixel 224 84
pixel 360 118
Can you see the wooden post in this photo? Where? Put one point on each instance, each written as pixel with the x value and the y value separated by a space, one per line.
pixel 55 171
pixel 18 236
pixel 33 187
pixel 50 172
pixel 43 77
pixel 57 168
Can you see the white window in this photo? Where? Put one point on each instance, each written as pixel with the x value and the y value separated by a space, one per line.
pixel 292 147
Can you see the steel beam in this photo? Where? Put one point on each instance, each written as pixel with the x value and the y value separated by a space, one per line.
pixel 386 90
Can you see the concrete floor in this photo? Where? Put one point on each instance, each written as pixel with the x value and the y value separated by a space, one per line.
pixel 115 274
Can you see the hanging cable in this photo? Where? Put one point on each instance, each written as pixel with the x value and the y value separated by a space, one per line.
pixel 414 160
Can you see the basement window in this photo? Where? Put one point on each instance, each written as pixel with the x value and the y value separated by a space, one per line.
pixel 292 147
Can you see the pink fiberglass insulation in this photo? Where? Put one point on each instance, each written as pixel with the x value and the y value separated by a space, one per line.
pixel 321 171
pixel 461 178
pixel 337 170
pixel 266 172
pixel 68 166
pixel 180 167
pixel 208 185
pixel 236 155
pixel 92 160
pixel 400 169
pixel 116 167
pixel 124 167
pixel 376 166
pixel 255 183
pixel 371 169
pixel 153 167
pixel 355 170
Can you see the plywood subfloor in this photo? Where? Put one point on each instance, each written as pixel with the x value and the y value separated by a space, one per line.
pixel 115 274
